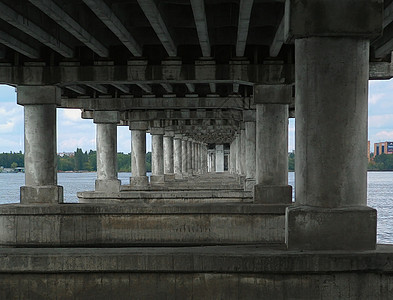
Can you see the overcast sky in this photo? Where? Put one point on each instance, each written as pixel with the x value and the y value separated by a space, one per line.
pixel 74 132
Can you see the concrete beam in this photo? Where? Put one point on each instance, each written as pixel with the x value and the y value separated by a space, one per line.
pixel 28 27
pixel 167 87
pixel 77 89
pixel 142 75
pixel 243 24
pixel 122 87
pixel 198 9
pixel 68 23
pixel 98 87
pixel 108 17
pixel 18 45
pixel 388 15
pixel 152 13
pixel 145 87
pixel 278 40
pixel 122 104
pixel 191 87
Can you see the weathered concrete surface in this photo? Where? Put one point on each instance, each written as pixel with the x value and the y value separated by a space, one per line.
pixel 345 228
pixel 138 158
pixel 217 272
pixel 40 145
pixel 107 158
pixel 122 225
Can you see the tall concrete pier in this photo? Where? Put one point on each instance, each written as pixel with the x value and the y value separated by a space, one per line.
pixel 214 83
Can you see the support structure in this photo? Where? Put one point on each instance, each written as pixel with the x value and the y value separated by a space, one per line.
pixel 106 140
pixel 272 144
pixel 249 123
pixel 157 155
pixel 177 156
pixel 40 144
pixel 219 158
pixel 189 157
pixel 138 154
pixel 168 156
pixel 331 117
pixel 184 151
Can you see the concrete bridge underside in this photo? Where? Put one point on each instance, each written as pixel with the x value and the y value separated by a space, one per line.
pixel 214 83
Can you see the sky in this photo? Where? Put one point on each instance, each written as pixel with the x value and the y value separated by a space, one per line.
pixel 74 132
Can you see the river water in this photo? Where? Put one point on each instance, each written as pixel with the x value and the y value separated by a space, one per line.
pixel 380 193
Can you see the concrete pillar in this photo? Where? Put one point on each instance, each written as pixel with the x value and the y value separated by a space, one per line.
pixel 219 158
pixel 177 156
pixel 157 155
pixel 250 144
pixel 189 157
pixel 194 158
pixel 106 140
pixel 238 151
pixel 272 144
pixel 138 154
pixel 184 154
pixel 332 70
pixel 168 156
pixel 40 144
pixel 232 157
pixel 243 152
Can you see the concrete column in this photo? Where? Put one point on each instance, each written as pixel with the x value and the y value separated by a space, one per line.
pixel 194 158
pixel 250 144
pixel 177 156
pixel 106 140
pixel 168 156
pixel 205 158
pixel 219 158
pixel 157 155
pixel 189 157
pixel 243 152
pixel 40 144
pixel 138 154
pixel 332 71
pixel 238 151
pixel 232 157
pixel 184 151
pixel 272 144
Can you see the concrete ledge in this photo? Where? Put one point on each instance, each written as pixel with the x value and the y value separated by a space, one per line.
pixel 317 228
pixel 265 194
pixel 41 194
pixel 139 181
pixel 169 177
pixel 153 194
pixel 125 225
pixel 109 186
pixel 246 272
pixel 157 179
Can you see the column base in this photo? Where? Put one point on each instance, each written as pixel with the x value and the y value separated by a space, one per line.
pixel 157 179
pixel 249 184
pixel 178 176
pixel 272 194
pixel 317 228
pixel 111 186
pixel 41 194
pixel 139 181
pixel 169 177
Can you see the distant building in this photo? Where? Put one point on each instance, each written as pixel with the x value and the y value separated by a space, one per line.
pixel 62 154
pixel 383 148
pixel 368 151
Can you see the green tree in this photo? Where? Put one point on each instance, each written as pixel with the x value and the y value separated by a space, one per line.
pixel 291 161
pixel 14 165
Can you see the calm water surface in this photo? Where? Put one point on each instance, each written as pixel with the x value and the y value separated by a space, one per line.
pixel 380 193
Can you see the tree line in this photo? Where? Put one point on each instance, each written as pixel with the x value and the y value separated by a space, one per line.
pixel 87 161
pixel 77 161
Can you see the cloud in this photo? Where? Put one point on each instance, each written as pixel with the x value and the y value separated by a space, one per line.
pixel 375 98
pixel 384 135
pixel 379 121
pixel 71 114
pixel 7 127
